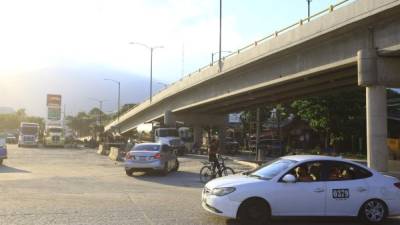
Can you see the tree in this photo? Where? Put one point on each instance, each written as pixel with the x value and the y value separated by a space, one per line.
pixel 337 117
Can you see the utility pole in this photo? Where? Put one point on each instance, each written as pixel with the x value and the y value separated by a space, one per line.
pixel 258 150
pixel 309 5
pixel 220 35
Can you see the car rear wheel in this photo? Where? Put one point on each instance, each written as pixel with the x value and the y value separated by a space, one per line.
pixel 129 172
pixel 373 211
pixel 254 212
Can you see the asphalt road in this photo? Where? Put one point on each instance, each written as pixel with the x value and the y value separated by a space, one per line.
pixel 72 186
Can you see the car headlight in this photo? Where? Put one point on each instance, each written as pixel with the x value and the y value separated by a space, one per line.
pixel 222 191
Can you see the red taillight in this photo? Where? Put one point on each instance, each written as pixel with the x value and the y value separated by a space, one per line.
pixel 397 185
pixel 157 156
pixel 128 156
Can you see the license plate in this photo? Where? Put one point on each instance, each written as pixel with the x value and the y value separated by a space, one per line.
pixel 143 158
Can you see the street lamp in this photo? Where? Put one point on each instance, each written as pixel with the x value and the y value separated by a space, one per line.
pixel 220 35
pixel 309 3
pixel 100 106
pixel 212 55
pixel 119 93
pixel 151 48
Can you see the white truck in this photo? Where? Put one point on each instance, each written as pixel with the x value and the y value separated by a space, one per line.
pixel 28 134
pixel 54 136
pixel 163 135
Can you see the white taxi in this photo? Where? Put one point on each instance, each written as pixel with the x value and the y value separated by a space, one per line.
pixel 302 185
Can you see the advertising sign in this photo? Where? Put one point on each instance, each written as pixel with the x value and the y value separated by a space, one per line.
pixel 234 118
pixel 54 113
pixel 53 100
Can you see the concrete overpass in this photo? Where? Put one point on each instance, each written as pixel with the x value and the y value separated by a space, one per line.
pixel 354 45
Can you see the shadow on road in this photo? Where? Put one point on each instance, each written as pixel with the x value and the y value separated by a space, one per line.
pixel 7 169
pixel 180 178
pixel 319 221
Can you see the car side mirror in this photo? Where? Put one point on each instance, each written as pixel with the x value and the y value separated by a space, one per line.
pixel 289 178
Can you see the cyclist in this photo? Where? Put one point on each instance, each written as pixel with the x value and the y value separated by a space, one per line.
pixel 212 156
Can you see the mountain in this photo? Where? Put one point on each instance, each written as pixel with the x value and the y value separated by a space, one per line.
pixel 6 110
pixel 76 84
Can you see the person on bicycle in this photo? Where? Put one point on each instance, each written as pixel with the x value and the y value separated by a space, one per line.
pixel 212 156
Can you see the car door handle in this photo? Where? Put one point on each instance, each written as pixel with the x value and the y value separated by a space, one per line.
pixel 318 190
pixel 361 189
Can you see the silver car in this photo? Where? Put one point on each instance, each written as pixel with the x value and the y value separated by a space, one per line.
pixel 151 156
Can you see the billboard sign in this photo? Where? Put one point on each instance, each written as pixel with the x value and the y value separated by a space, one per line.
pixel 54 113
pixel 53 100
pixel 234 118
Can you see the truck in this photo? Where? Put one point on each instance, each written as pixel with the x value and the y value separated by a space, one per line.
pixel 28 134
pixel 164 135
pixel 54 136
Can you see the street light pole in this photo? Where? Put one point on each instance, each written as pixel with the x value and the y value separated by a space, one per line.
pixel 119 94
pixel 220 35
pixel 309 3
pixel 151 63
pixel 100 107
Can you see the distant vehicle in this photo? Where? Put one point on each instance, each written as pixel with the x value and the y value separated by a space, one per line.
pixel 54 136
pixel 151 156
pixel 163 135
pixel 28 134
pixel 231 146
pixel 11 139
pixel 304 186
pixel 268 146
pixel 3 149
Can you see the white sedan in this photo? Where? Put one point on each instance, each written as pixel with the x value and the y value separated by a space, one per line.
pixel 302 185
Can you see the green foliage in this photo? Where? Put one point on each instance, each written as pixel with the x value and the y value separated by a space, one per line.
pixel 11 121
pixel 87 123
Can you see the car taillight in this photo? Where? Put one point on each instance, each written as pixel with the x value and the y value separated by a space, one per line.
pixel 397 185
pixel 128 156
pixel 157 156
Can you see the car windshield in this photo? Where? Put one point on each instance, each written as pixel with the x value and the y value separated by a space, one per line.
pixel 146 148
pixel 270 170
pixel 168 133
pixel 29 130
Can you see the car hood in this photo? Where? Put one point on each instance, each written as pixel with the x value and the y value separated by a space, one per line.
pixel 231 181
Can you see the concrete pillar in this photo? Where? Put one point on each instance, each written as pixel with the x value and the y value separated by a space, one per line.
pixel 377 152
pixel 198 135
pixel 169 119
pixel 221 137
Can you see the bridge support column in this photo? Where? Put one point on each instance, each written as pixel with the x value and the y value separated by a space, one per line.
pixel 377 154
pixel 376 110
pixel 198 135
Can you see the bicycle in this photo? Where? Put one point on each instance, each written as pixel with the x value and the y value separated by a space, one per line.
pixel 207 173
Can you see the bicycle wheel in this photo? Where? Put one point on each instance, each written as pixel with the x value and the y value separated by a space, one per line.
pixel 227 171
pixel 206 174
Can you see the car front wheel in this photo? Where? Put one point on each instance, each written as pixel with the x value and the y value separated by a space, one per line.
pixel 129 172
pixel 254 212
pixel 373 211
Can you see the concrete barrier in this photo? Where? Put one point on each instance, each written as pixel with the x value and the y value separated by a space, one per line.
pixel 114 153
pixel 102 150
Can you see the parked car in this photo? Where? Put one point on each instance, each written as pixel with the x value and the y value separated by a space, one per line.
pixel 3 149
pixel 11 139
pixel 270 147
pixel 151 157
pixel 303 185
pixel 231 146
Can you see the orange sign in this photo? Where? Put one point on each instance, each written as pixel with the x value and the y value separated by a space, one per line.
pixel 53 100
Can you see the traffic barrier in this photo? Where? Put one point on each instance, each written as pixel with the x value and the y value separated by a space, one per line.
pixel 114 153
pixel 102 150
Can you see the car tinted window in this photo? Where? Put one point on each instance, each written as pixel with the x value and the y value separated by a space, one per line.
pixel 146 148
pixel 308 172
pixel 346 171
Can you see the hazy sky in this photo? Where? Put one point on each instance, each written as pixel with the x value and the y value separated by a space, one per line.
pixel 39 35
